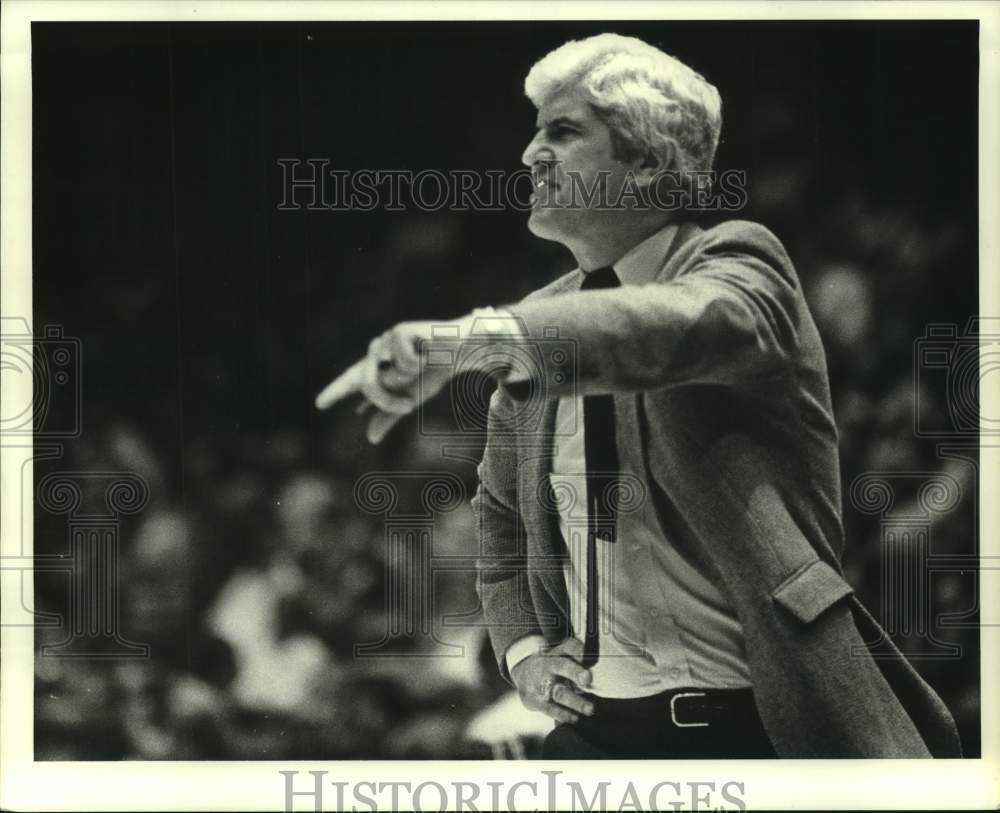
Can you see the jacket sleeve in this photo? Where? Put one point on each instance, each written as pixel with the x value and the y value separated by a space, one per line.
pixel 502 567
pixel 731 316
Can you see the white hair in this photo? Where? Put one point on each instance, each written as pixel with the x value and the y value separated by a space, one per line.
pixel 648 99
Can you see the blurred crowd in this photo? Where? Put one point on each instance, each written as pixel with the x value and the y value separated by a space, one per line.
pixel 252 602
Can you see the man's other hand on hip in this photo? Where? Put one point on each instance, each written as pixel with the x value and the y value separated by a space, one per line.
pixel 551 682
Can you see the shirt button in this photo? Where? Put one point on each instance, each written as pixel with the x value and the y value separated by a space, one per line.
pixel 675 673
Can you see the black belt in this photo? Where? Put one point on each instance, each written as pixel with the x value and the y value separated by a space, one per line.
pixel 684 708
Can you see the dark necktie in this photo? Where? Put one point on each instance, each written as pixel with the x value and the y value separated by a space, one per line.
pixel 602 472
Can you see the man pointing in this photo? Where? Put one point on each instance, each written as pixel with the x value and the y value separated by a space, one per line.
pixel 660 549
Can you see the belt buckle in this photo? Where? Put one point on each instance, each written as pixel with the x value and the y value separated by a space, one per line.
pixel 673 710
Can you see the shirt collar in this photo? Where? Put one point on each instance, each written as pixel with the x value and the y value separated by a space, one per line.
pixel 643 261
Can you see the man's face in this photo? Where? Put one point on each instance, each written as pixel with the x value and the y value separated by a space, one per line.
pixel 571 139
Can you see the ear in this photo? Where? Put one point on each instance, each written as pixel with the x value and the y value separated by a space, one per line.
pixel 654 163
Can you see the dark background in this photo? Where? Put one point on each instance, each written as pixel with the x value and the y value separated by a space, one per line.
pixel 209 319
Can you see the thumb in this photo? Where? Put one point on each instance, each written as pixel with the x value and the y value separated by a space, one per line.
pixel 571 647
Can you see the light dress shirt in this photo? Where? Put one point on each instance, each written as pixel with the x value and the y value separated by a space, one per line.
pixel 663 623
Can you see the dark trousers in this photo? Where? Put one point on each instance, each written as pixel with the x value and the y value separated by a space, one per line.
pixel 671 725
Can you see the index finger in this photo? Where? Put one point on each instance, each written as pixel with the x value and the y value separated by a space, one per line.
pixel 347 383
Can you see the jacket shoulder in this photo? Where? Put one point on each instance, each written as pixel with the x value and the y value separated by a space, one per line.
pixel 743 236
pixel 735 239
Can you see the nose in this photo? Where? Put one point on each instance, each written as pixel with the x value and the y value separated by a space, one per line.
pixel 536 150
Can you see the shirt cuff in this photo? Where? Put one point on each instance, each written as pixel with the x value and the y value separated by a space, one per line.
pixel 503 333
pixel 523 648
pixel 495 323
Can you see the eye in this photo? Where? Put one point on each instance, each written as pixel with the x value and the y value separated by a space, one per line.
pixel 559 131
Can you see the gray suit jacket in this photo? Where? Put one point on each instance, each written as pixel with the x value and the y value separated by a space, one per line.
pixel 719 365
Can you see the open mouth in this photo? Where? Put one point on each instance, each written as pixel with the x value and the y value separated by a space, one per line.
pixel 543 184
pixel 541 175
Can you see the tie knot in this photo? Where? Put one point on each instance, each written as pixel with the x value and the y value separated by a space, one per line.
pixel 601 278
